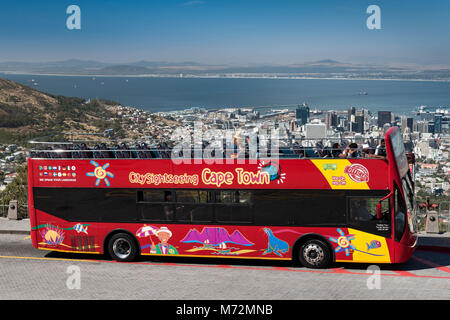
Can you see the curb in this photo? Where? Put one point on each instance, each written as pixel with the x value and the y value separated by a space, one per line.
pixel 14 232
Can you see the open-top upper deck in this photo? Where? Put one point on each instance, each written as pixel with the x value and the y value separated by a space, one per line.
pixel 143 166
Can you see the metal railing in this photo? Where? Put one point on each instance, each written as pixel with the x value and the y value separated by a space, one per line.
pixel 332 147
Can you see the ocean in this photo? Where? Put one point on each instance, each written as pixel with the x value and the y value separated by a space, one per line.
pixel 168 94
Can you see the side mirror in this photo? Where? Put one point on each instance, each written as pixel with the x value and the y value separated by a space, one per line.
pixel 379 214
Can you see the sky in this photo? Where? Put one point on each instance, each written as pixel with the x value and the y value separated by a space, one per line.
pixel 227 31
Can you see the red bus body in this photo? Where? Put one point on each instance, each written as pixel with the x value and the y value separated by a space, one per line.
pixel 348 244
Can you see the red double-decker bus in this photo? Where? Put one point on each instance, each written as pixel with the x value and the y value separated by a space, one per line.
pixel 312 210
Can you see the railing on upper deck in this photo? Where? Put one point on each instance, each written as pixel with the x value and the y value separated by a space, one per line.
pixel 131 149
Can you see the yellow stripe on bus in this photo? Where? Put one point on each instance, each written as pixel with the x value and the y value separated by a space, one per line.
pixel 333 171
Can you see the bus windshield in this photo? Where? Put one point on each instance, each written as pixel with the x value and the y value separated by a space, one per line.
pixel 409 198
pixel 399 153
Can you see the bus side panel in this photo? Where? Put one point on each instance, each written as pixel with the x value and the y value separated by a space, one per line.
pixel 228 241
pixel 31 209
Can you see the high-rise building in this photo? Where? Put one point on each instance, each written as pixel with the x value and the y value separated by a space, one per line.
pixel 410 123
pixel 407 123
pixel 331 119
pixel 351 112
pixel 404 124
pixel 438 123
pixel 302 114
pixel 421 126
pixel 359 120
pixel 383 118
pixel 293 125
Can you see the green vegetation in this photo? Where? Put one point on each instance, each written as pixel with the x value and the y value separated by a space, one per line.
pixel 17 190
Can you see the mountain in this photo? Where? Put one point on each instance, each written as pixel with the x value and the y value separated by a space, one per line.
pixel 58 67
pixel 216 236
pixel 26 112
pixel 325 68
pixel 124 70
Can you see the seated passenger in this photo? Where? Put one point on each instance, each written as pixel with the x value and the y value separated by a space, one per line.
pixel 367 150
pixel 380 150
pixel 168 208
pixel 336 150
pixel 351 151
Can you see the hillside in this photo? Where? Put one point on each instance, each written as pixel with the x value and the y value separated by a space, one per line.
pixel 26 113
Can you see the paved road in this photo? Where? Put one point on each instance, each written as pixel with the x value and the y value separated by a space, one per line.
pixel 27 273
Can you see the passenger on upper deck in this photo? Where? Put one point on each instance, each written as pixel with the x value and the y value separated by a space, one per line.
pixel 381 149
pixel 336 150
pixel 350 152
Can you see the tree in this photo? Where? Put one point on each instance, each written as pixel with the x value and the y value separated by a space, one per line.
pixel 18 189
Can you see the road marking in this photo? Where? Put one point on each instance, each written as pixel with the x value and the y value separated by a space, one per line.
pixel 40 258
pixel 432 264
pixel 282 269
pixel 405 273
pixel 340 270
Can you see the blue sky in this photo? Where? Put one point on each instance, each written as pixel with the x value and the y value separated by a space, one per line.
pixel 227 31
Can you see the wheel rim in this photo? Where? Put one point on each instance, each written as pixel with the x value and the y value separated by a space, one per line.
pixel 121 248
pixel 313 254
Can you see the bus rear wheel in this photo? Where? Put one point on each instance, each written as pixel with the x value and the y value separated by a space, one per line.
pixel 122 247
pixel 314 253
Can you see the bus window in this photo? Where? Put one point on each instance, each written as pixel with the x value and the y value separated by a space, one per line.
pixel 266 202
pixel 155 205
pixel 151 195
pixel 407 189
pixel 193 206
pixel 234 206
pixel 318 208
pixel 205 196
pixel 300 208
pixel 363 215
pixel 242 197
pixel 116 205
pixel 363 209
pixel 224 197
pixel 399 215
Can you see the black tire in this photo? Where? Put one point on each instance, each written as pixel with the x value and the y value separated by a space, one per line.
pixel 314 253
pixel 122 247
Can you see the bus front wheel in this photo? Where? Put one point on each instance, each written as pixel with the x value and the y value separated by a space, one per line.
pixel 314 253
pixel 122 247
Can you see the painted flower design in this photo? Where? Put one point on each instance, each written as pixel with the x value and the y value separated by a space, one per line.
pixel 100 173
pixel 344 242
pixel 52 235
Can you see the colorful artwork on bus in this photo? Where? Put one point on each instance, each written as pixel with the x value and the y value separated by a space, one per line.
pixel 275 245
pixel 218 240
pixel 100 173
